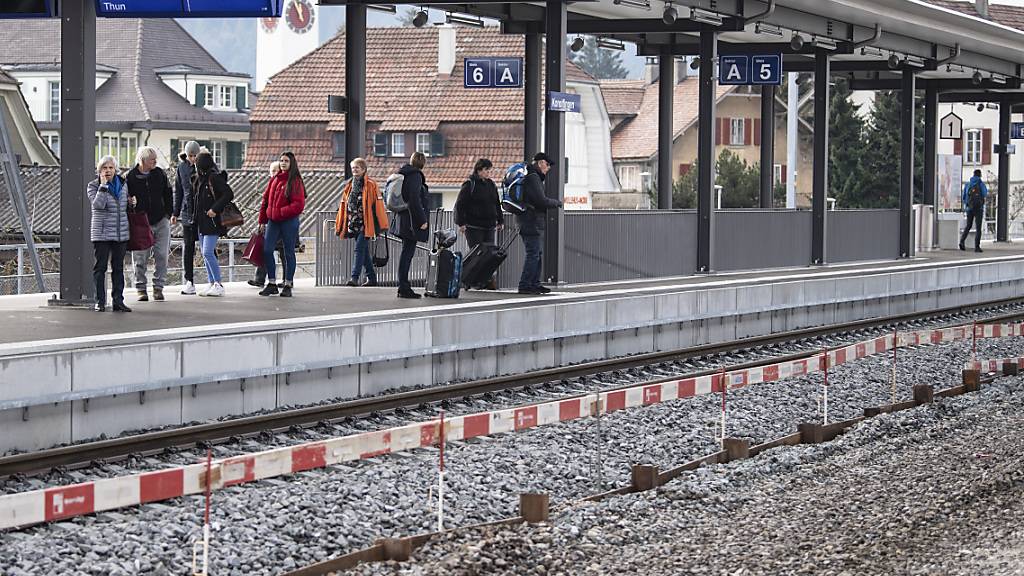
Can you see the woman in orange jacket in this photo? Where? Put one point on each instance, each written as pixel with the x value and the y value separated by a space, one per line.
pixel 362 216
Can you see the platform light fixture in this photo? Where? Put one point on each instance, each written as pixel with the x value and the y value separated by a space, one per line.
pixel 870 51
pixel 421 17
pixel 611 44
pixel 768 29
pixel 577 44
pixel 825 43
pixel 997 79
pixel 915 61
pixel 796 42
pixel 474 21
pixel 642 4
pixel 706 17
pixel 670 15
pixel 389 8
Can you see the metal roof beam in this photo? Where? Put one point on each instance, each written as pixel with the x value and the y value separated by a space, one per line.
pixel 1001 97
pixel 943 85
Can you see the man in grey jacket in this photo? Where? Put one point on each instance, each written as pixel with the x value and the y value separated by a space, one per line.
pixel 184 209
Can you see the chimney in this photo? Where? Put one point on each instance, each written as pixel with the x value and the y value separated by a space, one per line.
pixel 651 70
pixel 982 7
pixel 445 50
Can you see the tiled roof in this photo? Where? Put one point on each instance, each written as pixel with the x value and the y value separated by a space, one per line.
pixel 623 97
pixel 404 89
pixel 1012 16
pixel 135 48
pixel 638 137
pixel 42 193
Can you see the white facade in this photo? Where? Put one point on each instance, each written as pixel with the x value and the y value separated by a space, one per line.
pixel 41 89
pixel 281 41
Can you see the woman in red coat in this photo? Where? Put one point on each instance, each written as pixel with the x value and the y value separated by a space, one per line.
pixel 283 201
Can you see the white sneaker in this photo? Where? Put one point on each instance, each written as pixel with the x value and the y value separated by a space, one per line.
pixel 205 291
pixel 189 289
pixel 216 290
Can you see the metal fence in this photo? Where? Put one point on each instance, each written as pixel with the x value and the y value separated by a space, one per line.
pixel 16 276
pixel 605 246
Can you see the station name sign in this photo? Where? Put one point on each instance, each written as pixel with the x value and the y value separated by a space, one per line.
pixel 492 72
pixel 564 102
pixel 188 8
pixel 750 69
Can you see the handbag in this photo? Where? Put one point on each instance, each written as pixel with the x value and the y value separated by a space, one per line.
pixel 380 260
pixel 140 233
pixel 254 250
pixel 231 217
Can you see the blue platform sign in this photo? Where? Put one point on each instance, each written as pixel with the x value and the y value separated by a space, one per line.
pixel 564 102
pixel 490 72
pixel 766 69
pixel 1016 130
pixel 188 8
pixel 26 8
pixel 734 70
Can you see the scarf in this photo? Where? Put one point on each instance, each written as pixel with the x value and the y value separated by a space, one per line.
pixel 115 187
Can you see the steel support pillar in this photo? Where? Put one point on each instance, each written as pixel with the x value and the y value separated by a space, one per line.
pixel 78 146
pixel 907 164
pixel 355 84
pixel 554 137
pixel 1003 197
pixel 819 192
pixel 531 132
pixel 767 145
pixel 666 93
pixel 931 128
pixel 706 150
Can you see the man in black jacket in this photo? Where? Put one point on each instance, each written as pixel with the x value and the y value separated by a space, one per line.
pixel 533 221
pixel 148 184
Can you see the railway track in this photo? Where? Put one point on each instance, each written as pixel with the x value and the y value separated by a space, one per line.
pixel 112 450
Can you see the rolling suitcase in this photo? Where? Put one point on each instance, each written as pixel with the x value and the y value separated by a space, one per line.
pixel 444 269
pixel 482 262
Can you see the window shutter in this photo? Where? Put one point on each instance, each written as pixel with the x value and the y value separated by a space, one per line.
pixel 684 169
pixel 757 131
pixel 436 144
pixel 727 131
pixel 782 179
pixel 234 160
pixel 986 146
pixel 718 132
pixel 748 136
pixel 241 98
pixel 380 144
pixel 958 146
pixel 200 95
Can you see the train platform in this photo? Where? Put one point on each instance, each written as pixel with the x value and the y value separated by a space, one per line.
pixel 73 374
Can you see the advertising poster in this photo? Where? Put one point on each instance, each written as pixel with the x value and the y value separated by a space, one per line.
pixel 949 168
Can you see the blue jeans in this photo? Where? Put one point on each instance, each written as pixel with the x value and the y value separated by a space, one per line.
pixel 361 259
pixel 288 232
pixel 208 243
pixel 531 266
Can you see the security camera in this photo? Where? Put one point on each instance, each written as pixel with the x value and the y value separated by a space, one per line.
pixel 695 64
pixel 577 44
pixel 669 15
pixel 420 18
pixel 893 62
pixel 797 42
pixel 981 107
pixel 976 78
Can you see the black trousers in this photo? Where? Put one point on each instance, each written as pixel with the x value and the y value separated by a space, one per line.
pixel 112 252
pixel 405 263
pixel 476 236
pixel 973 216
pixel 189 237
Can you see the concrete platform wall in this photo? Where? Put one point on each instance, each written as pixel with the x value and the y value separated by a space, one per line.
pixel 197 379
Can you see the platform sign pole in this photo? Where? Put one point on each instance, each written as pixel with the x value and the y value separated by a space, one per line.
pixel 440 479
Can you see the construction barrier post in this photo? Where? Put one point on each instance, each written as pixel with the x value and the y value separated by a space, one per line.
pixel 1011 368
pixel 736 449
pixel 811 433
pixel 923 394
pixel 397 549
pixel 972 380
pixel 534 508
pixel 645 477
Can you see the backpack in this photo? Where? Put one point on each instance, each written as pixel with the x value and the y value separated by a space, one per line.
pixel 512 189
pixel 393 194
pixel 974 199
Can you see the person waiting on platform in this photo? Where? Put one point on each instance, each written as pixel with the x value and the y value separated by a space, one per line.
pixel 260 277
pixel 362 216
pixel 184 208
pixel 478 208
pixel 283 202
pixel 212 195
pixel 109 201
pixel 974 195
pixel 148 184
pixel 412 223
pixel 533 221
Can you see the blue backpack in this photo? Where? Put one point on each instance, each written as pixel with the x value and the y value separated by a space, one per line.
pixel 512 189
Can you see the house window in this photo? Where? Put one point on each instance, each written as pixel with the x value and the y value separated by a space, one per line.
pixel 227 97
pixel 110 144
pixel 973 150
pixel 736 131
pixel 423 143
pixel 380 144
pixel 338 148
pixel 129 147
pixel 217 150
pixel 211 95
pixel 53 141
pixel 629 177
pixel 777 175
pixel 54 101
pixel 398 144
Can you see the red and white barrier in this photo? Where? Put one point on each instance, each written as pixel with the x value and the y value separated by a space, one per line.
pixel 993 365
pixel 37 506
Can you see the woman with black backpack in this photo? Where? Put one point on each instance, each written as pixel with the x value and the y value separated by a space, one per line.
pixel 212 195
pixel 478 207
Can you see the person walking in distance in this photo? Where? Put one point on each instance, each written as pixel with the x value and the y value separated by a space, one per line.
pixel 361 216
pixel 148 184
pixel 974 195
pixel 212 195
pixel 283 202
pixel 412 223
pixel 109 201
pixel 260 277
pixel 184 209
pixel 478 208
pixel 533 221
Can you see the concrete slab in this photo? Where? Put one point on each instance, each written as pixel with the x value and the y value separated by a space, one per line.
pixel 34 374
pixel 313 386
pixel 47 426
pixel 625 311
pixel 581 316
pixel 389 337
pixel 117 414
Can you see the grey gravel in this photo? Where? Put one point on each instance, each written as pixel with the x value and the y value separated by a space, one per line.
pixel 262 527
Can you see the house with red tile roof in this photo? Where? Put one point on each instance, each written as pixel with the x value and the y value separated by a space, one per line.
pixel 416 101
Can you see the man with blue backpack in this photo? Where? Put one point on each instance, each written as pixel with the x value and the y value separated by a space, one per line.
pixel 524 197
pixel 975 193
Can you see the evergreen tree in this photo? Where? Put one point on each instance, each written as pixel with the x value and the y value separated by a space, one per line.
pixel 600 63
pixel 740 182
pixel 881 155
pixel 846 146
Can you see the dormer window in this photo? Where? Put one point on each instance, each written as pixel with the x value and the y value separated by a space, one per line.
pixel 227 97
pixel 221 97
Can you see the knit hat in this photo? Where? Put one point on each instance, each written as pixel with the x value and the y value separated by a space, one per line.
pixel 204 162
pixel 192 147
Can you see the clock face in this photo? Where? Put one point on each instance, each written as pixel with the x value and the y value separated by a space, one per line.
pixel 269 24
pixel 299 16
